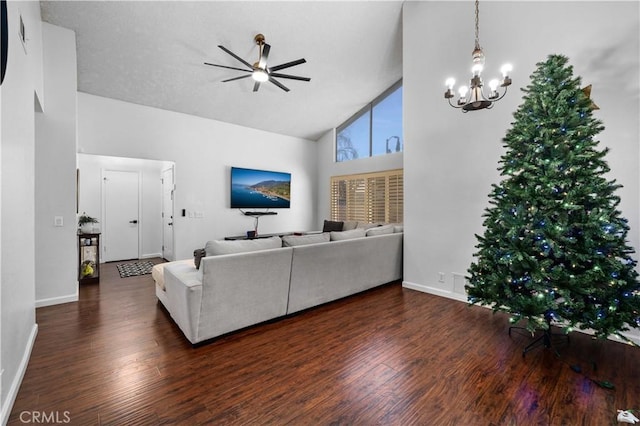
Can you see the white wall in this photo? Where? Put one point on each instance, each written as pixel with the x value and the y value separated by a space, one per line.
pixel 55 177
pixel 21 86
pixel 451 158
pixel 327 167
pixel 203 151
pixel 90 190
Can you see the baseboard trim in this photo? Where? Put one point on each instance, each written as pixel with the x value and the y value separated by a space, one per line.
pixel 463 298
pixel 435 291
pixel 150 256
pixel 57 300
pixel 7 405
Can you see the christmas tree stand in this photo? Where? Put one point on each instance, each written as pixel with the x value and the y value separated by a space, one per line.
pixel 548 339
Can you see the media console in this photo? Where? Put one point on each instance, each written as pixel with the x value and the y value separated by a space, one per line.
pixel 244 237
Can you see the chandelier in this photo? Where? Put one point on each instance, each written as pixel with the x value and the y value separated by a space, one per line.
pixel 473 98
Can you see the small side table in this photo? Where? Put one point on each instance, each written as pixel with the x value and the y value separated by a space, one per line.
pixel 88 258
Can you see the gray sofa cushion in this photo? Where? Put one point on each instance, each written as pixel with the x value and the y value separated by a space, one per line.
pixel 349 225
pixel 217 247
pixel 364 225
pixel 380 230
pixel 300 240
pixel 347 235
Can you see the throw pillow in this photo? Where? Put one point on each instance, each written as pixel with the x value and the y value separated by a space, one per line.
pixel 380 230
pixel 197 257
pixel 363 225
pixel 331 226
pixel 348 225
pixel 347 235
pixel 217 247
pixel 301 240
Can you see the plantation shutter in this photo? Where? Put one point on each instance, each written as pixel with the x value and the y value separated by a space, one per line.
pixel 376 187
pixel 368 197
pixel 395 195
pixel 338 200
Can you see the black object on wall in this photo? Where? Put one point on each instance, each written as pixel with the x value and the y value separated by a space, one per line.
pixel 5 39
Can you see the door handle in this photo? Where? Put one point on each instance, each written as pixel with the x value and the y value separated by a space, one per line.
pixel 170 223
pixel 133 221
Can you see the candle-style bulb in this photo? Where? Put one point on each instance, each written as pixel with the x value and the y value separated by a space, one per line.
pixel 450 82
pixel 506 69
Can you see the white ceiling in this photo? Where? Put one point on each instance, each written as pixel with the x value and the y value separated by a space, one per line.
pixel 152 53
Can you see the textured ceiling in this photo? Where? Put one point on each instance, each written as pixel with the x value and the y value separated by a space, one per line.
pixel 152 53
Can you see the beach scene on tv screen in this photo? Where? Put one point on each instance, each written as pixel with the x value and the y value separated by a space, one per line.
pixel 260 189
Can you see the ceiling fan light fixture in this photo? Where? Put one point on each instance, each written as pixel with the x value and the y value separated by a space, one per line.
pixel 260 75
pixel 260 72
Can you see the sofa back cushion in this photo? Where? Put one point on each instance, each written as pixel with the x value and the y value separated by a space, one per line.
pixel 301 240
pixel 217 247
pixel 380 230
pixel 347 235
pixel 349 225
pixel 365 225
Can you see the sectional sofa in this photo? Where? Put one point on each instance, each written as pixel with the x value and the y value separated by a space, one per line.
pixel 246 282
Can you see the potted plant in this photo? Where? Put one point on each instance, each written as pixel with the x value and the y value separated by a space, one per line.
pixel 85 222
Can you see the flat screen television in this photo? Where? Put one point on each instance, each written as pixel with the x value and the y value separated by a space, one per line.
pixel 251 188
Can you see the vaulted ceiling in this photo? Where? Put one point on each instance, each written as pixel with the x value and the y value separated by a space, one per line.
pixel 153 52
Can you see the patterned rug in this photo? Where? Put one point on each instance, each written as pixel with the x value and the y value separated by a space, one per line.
pixel 135 268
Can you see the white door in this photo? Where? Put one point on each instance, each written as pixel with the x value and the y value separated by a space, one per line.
pixel 167 214
pixel 120 230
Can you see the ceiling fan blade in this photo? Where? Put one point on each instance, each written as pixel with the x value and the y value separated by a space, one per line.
pixel 288 64
pixel 292 77
pixel 236 56
pixel 231 68
pixel 236 78
pixel 277 83
pixel 265 55
pixel 256 86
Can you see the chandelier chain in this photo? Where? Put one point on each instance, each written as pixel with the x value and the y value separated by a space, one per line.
pixel 477 26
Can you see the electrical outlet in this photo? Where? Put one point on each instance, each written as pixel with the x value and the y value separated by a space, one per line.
pixel 58 221
pixel 440 277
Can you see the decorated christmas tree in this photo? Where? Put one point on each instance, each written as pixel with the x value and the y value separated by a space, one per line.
pixel 555 249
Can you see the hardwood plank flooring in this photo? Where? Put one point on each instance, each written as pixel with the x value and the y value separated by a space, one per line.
pixel 389 356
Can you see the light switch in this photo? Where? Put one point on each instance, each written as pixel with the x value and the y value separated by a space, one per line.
pixel 58 221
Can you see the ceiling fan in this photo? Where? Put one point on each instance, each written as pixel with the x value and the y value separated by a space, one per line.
pixel 259 70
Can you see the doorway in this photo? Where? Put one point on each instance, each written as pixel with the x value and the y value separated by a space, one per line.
pixel 121 237
pixel 167 214
pixel 92 200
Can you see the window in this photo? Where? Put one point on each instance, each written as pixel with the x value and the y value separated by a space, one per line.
pixel 368 197
pixel 374 130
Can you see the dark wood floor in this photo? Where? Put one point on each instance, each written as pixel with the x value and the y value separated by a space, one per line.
pixel 390 356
